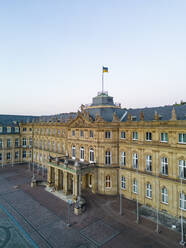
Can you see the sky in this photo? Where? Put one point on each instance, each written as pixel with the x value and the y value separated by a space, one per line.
pixel 52 53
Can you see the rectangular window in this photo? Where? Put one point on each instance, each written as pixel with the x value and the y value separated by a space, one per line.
pixel 30 129
pixel 135 186
pixel 8 143
pixel 182 138
pixel 1 143
pixel 148 136
pixel 73 132
pixel 134 136
pixel 91 134
pixel 30 141
pixel 107 135
pixel 122 135
pixel 82 153
pixel 58 132
pixel 1 129
pixel 16 155
pixel 164 166
pixel 0 156
pixel 134 160
pixel 8 156
pixel 148 190
pixel 123 182
pixel 53 131
pixel 16 142
pixel 164 137
pixel 24 154
pixel 24 129
pixel 73 152
pixel 182 201
pixel 182 169
pixel 81 133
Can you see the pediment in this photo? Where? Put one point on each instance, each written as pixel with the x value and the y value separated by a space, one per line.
pixel 80 122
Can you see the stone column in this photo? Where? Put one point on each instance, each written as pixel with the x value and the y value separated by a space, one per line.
pixel 49 176
pixel 79 191
pixel 56 178
pixel 65 183
pixel 75 185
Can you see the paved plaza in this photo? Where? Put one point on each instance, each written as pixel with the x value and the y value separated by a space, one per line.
pixel 33 217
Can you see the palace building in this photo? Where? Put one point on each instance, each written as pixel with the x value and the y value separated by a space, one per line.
pixel 110 150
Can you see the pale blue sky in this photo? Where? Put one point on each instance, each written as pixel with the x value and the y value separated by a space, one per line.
pixel 52 52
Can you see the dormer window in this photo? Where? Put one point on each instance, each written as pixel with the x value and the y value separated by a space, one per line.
pixel 16 130
pixel 133 118
pixel 8 129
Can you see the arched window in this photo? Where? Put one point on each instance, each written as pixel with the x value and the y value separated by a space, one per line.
pixel 164 195
pixel 135 186
pixel 73 152
pixel 107 182
pixel 123 159
pixel 148 163
pixel 122 182
pixel 148 190
pixel 107 157
pixel 164 166
pixel 82 153
pixel 91 155
pixel 23 142
pixel 134 160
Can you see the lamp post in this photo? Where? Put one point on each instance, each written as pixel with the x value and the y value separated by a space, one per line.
pixel 182 242
pixel 69 202
pixel 120 198
pixel 157 202
pixel 137 200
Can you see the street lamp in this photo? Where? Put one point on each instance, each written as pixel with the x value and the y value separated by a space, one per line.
pixel 182 242
pixel 157 202
pixel 69 202
pixel 137 200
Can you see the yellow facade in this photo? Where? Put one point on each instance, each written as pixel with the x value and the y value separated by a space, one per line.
pixel 135 158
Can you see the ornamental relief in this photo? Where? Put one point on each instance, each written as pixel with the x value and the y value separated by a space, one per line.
pixel 80 123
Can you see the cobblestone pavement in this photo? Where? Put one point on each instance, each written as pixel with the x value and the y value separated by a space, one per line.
pixel 42 219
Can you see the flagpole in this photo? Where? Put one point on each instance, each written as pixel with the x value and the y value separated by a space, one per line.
pixel 102 80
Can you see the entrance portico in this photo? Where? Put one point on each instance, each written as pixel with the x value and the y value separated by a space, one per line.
pixel 70 176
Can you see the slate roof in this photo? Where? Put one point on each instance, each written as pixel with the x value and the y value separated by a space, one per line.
pixel 164 113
